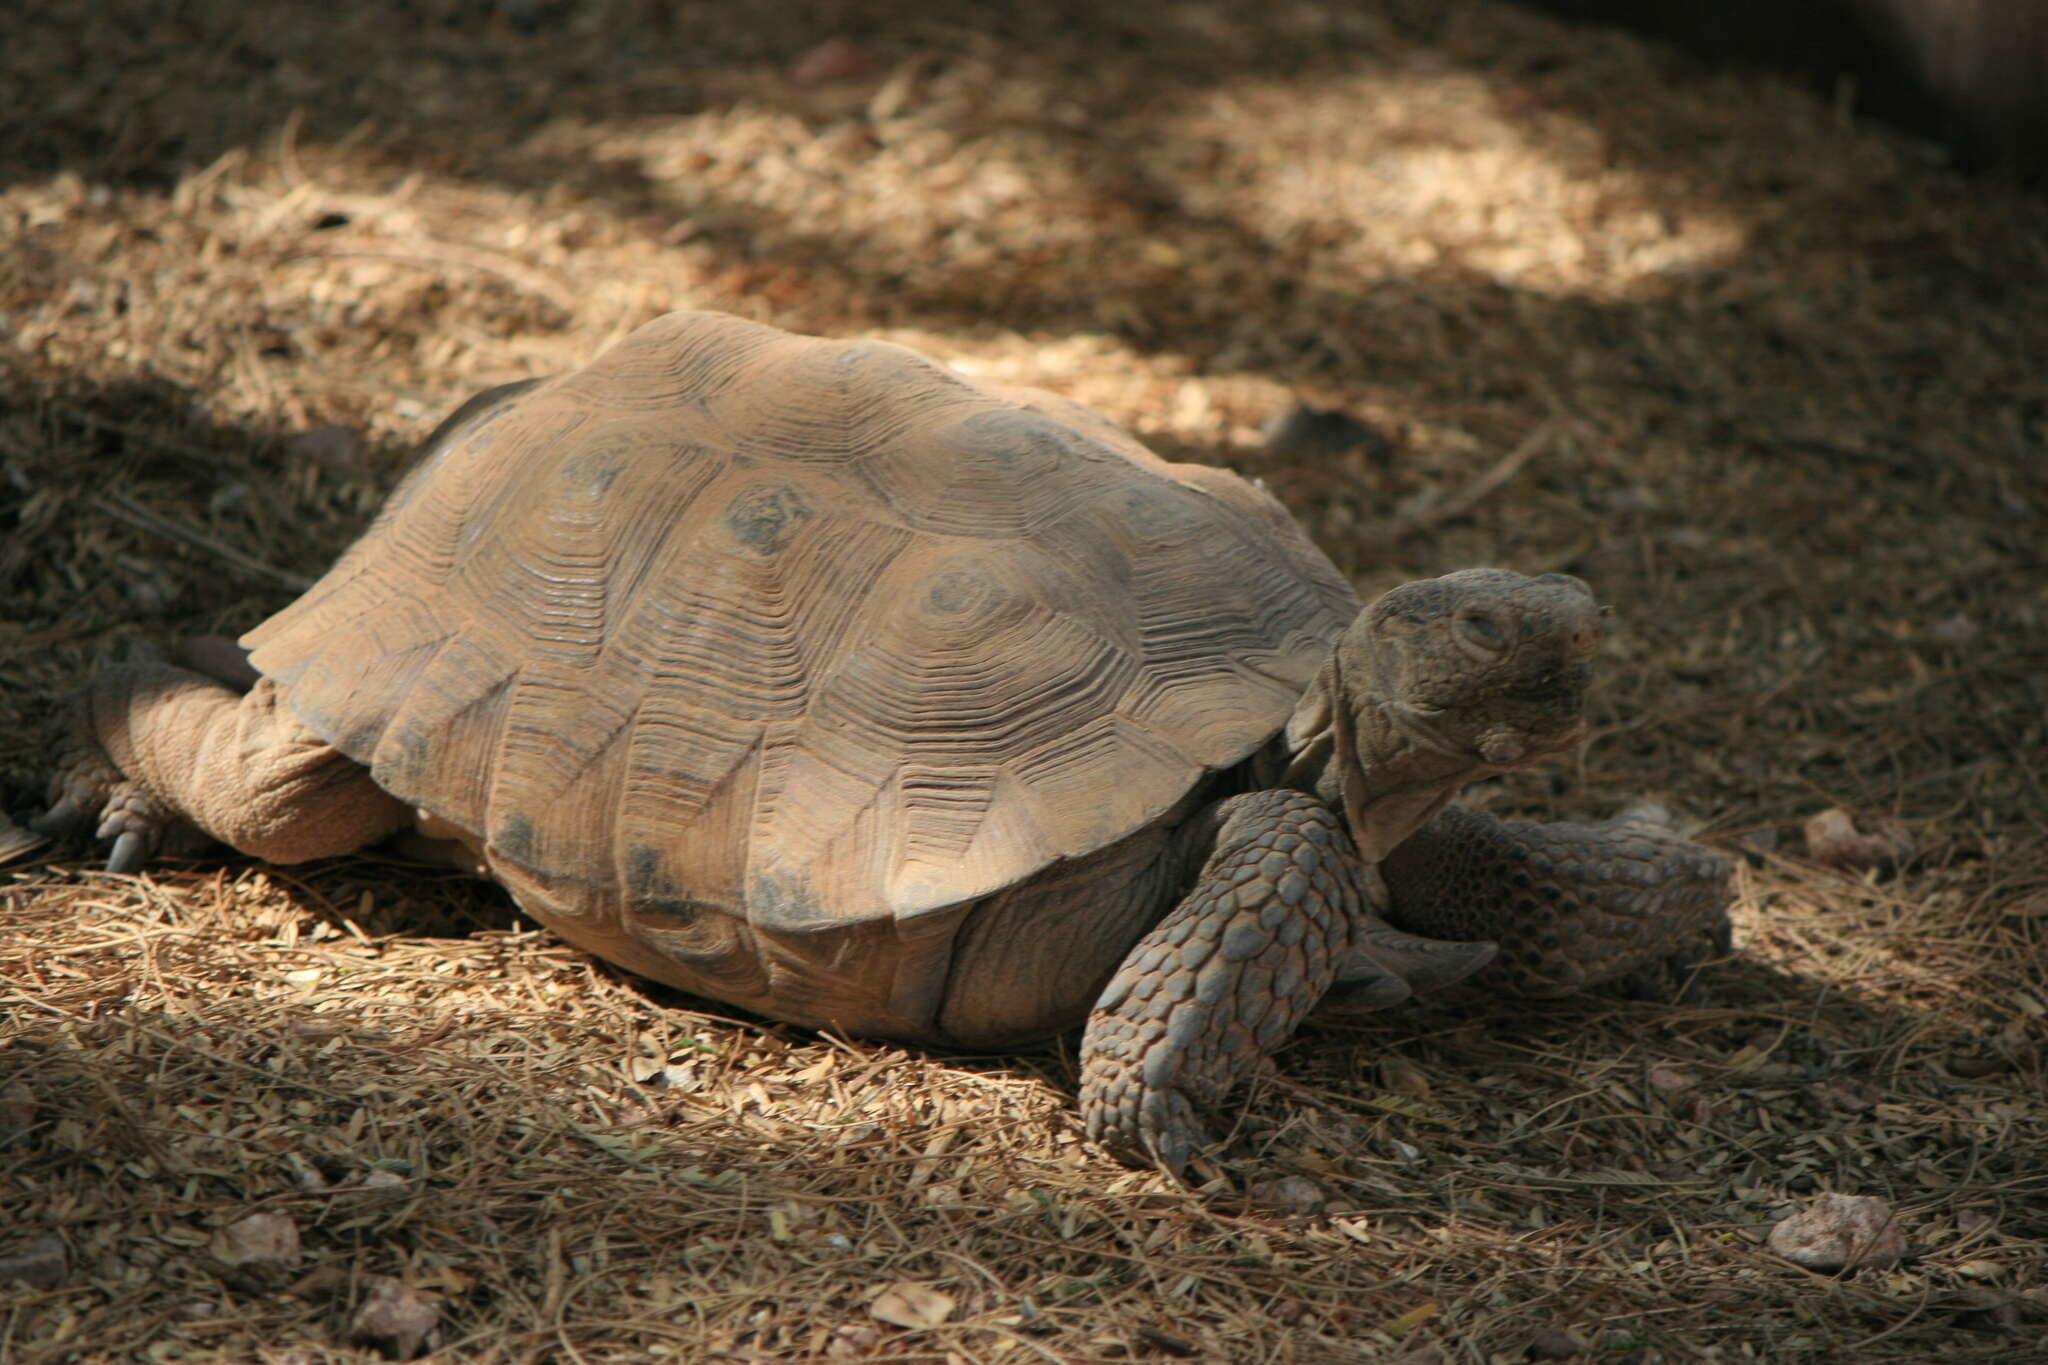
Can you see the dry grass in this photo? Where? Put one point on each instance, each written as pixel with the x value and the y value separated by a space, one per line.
pixel 1771 380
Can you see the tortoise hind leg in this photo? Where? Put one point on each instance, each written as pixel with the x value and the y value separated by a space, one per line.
pixel 157 749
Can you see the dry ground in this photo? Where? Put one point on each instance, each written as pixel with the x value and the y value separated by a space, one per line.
pixel 1771 379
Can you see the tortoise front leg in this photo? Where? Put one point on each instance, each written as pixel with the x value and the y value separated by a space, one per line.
pixel 1570 905
pixel 1281 905
pixel 156 749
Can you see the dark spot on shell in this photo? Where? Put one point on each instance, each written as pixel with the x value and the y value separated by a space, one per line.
pixel 1015 437
pixel 1155 512
pixel 513 838
pixel 677 916
pixel 644 878
pixel 955 591
pixel 593 471
pixel 778 899
pixel 767 517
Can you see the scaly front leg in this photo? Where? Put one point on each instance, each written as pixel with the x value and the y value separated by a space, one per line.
pixel 1570 905
pixel 1281 905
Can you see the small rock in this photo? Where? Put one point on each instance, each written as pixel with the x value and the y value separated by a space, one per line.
pixel 1404 1077
pixel 305 1174
pixel 835 59
pixel 1761 840
pixel 259 1239
pixel 44 1263
pixel 1290 1194
pixel 1551 1344
pixel 382 1187
pixel 1977 1068
pixel 1840 1231
pixel 335 446
pixel 1847 1094
pixel 1306 430
pixel 909 1304
pixel 851 1342
pixel 1833 840
pixel 394 1318
pixel 1974 1220
pixel 1953 630
pixel 1667 1080
pixel 1646 810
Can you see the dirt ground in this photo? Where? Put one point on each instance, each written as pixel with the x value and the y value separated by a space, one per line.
pixel 1770 378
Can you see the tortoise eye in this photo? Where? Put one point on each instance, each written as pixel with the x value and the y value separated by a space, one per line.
pixel 1480 629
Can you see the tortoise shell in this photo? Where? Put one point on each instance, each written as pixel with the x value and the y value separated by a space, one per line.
pixel 807 632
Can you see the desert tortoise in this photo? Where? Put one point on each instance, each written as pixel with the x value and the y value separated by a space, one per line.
pixel 813 677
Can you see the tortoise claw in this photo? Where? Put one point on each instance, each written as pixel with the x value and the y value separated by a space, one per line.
pixel 62 820
pixel 130 852
pixel 1363 986
pixel 1426 964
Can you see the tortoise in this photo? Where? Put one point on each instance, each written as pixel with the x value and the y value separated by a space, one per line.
pixel 818 679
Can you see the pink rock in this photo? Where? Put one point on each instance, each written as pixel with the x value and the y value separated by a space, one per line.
pixel 835 59
pixel 1841 1231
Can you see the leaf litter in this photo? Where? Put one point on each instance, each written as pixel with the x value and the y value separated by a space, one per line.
pixel 1766 376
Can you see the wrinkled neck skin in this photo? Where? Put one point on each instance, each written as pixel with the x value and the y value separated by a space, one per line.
pixel 1347 749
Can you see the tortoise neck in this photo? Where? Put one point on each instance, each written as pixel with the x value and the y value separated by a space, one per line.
pixel 1342 747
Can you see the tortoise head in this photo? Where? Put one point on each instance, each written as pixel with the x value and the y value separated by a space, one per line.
pixel 1450 679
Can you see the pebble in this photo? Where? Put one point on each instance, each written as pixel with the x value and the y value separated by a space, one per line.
pixel 1838 1231
pixel 1833 840
pixel 1288 1194
pixel 1549 1343
pixel 259 1239
pixel 394 1318
pixel 835 59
